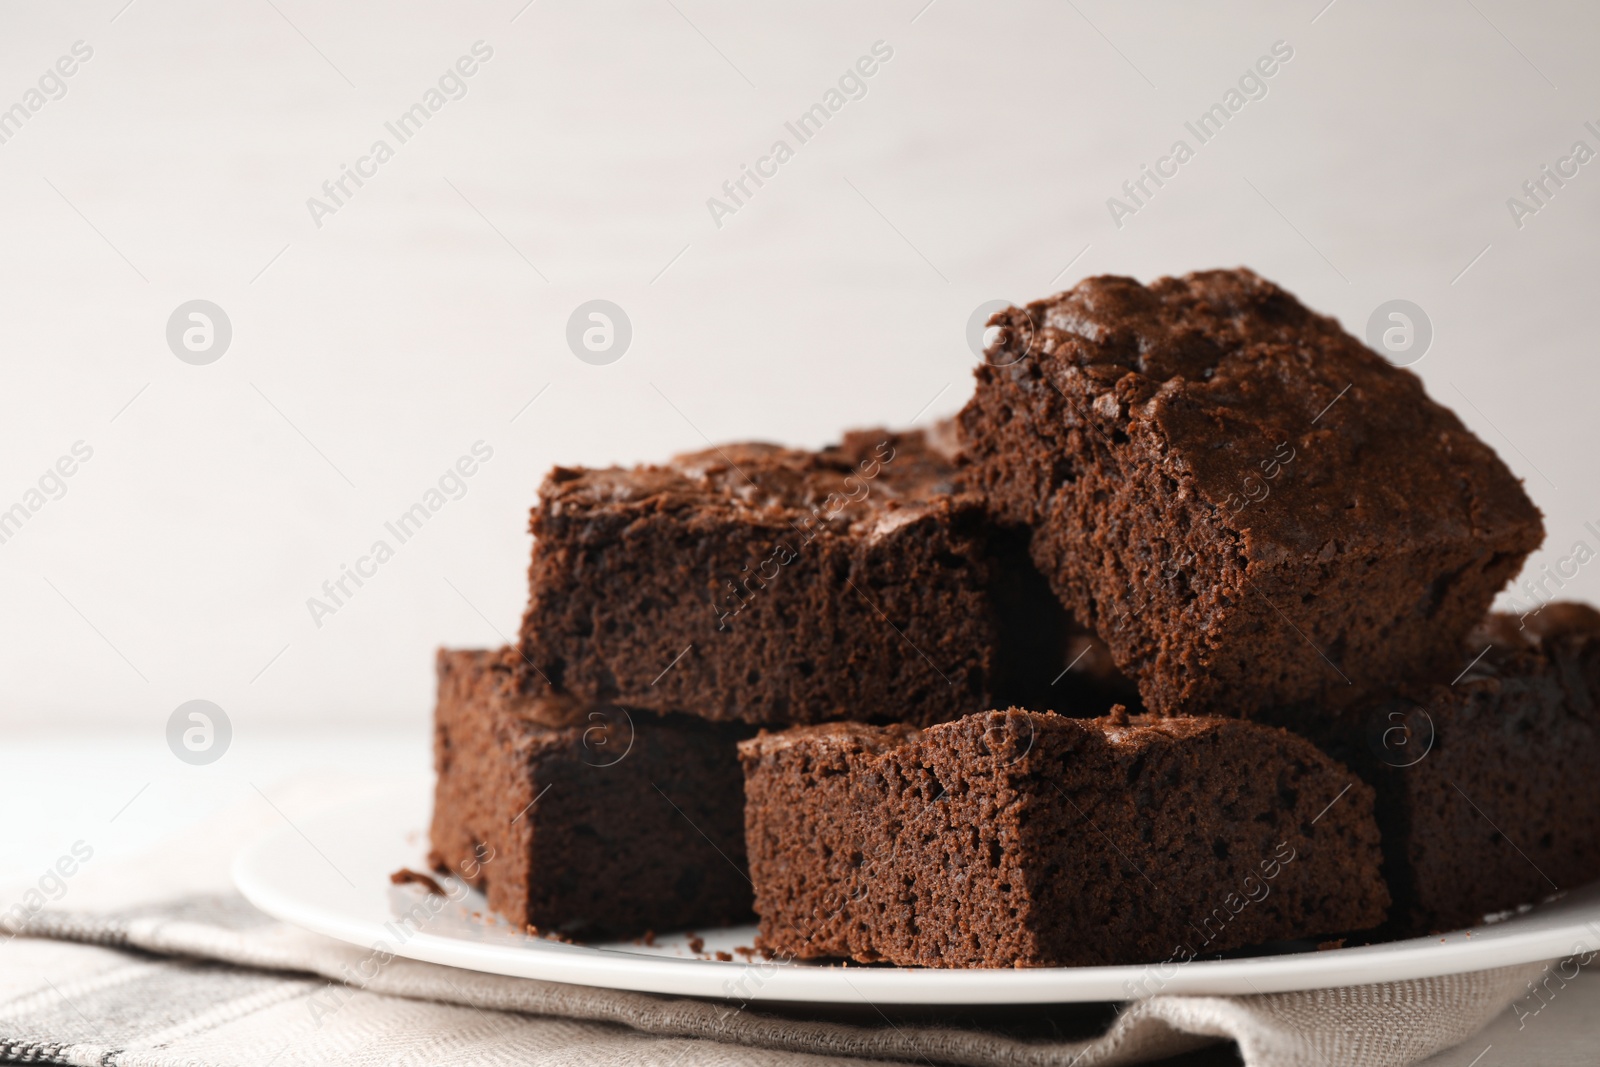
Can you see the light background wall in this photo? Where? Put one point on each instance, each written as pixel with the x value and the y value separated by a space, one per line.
pixel 372 351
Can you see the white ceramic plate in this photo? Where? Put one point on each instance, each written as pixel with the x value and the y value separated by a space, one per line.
pixel 331 875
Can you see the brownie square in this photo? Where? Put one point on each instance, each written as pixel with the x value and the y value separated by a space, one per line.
pixel 1029 840
pixel 585 820
pixel 772 585
pixel 1488 786
pixel 1251 507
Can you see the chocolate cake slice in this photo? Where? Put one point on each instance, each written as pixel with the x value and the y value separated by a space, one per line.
pixel 771 585
pixel 1488 786
pixel 1251 507
pixel 585 820
pixel 1020 839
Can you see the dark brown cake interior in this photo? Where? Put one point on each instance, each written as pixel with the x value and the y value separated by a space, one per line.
pixel 1487 793
pixel 583 820
pixel 1251 507
pixel 1022 839
pixel 762 584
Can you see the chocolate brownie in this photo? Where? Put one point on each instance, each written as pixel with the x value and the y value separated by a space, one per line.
pixel 1024 839
pixel 1250 506
pixel 1488 791
pixel 772 585
pixel 585 820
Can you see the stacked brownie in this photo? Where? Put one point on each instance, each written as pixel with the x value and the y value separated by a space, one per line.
pixel 1195 498
pixel 1264 519
pixel 1488 796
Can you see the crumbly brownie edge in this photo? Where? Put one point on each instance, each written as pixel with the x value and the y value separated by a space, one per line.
pixel 835 822
pixel 667 602
pixel 478 787
pixel 608 824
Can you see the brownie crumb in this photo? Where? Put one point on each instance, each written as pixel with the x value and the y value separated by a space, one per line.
pixel 406 876
pixel 697 944
pixel 745 951
pixel 724 957
pixel 1118 716
pixel 548 935
pixel 1328 946
pixel 649 938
